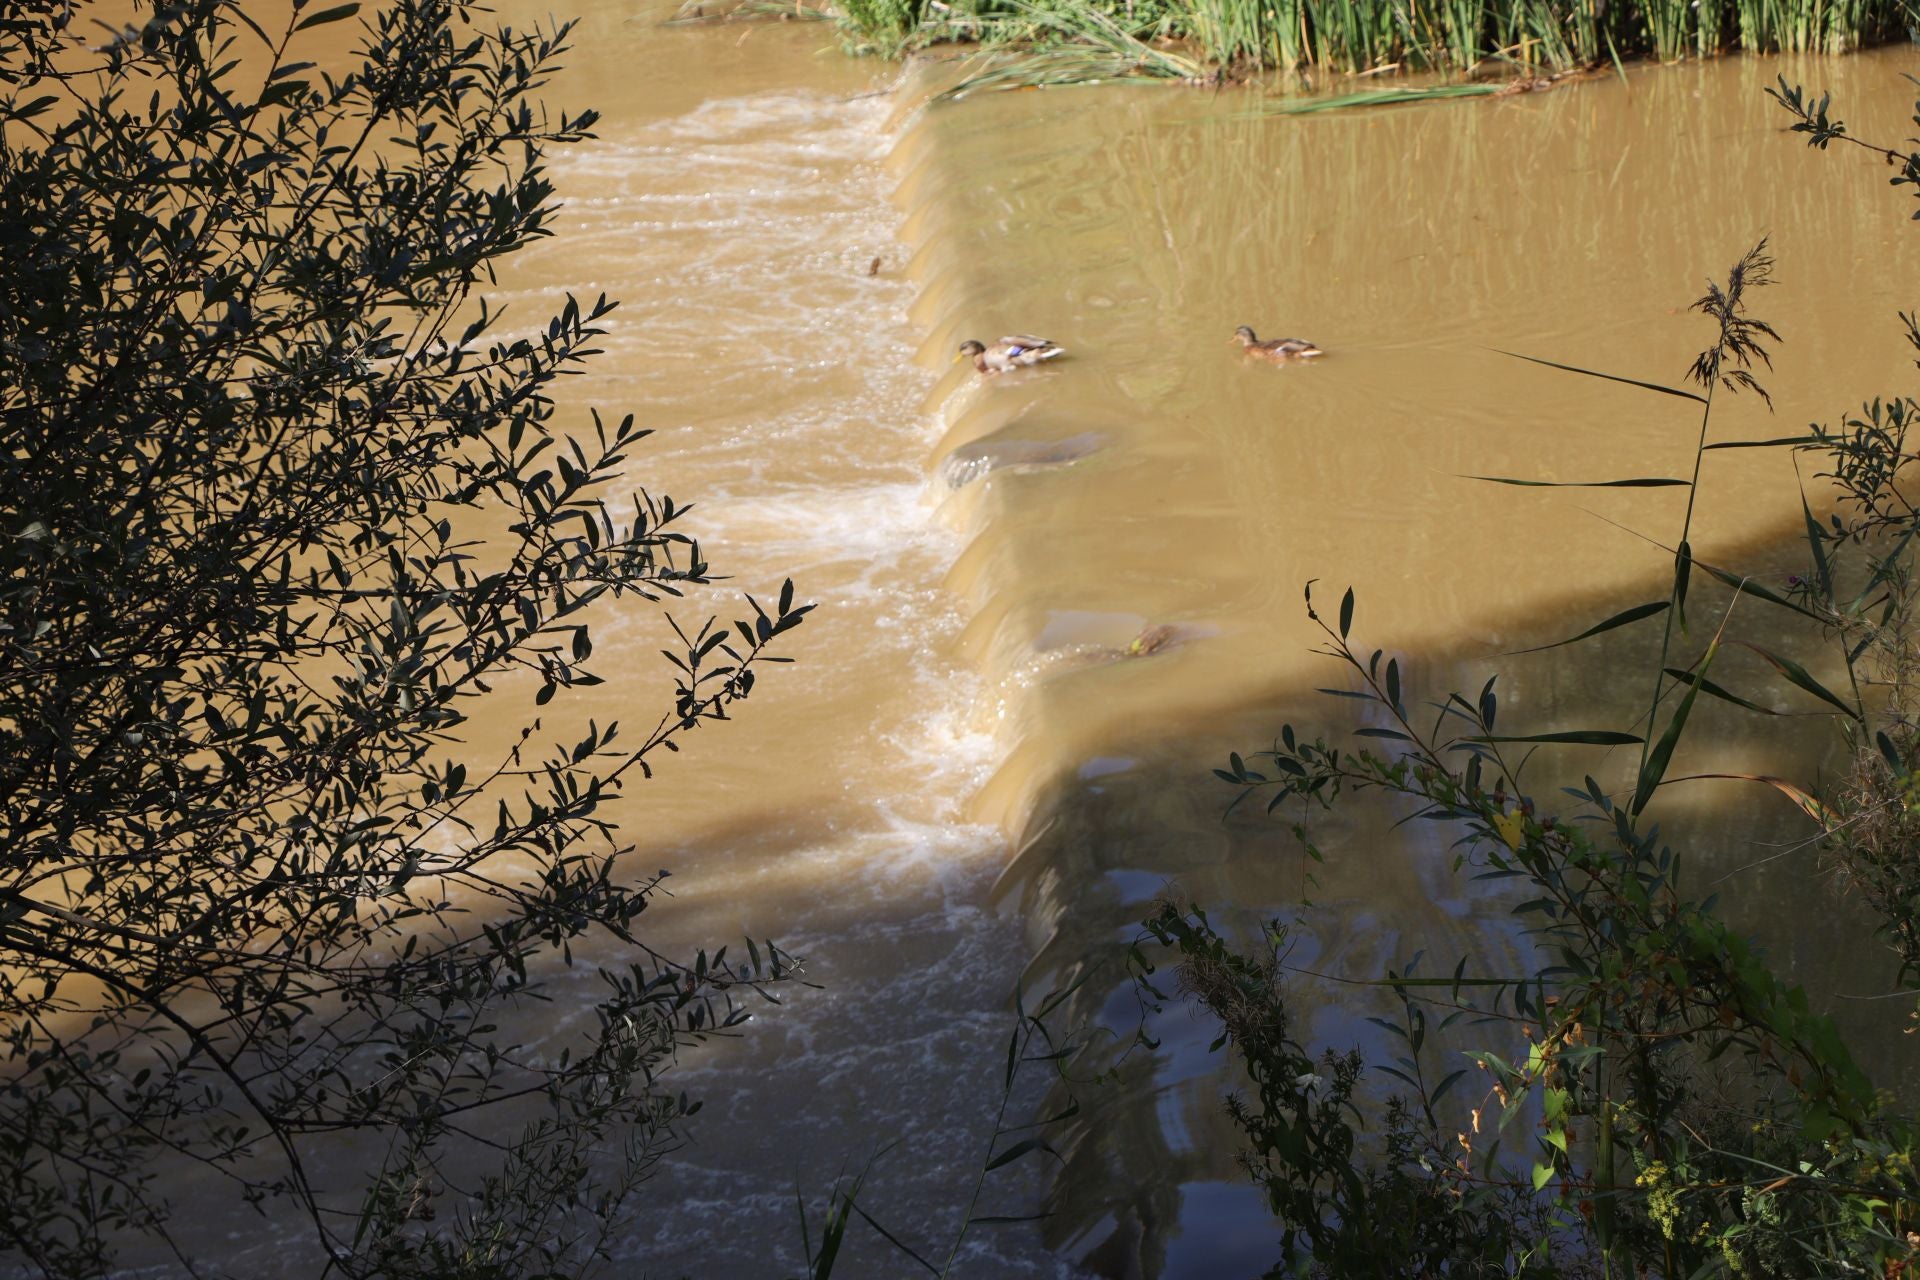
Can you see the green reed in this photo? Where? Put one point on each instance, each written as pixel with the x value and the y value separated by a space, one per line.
pixel 1212 38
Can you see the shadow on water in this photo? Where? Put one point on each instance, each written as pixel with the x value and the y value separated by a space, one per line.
pixel 1137 229
pixel 1149 1186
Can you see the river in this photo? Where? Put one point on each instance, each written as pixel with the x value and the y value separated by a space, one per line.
pixel 970 775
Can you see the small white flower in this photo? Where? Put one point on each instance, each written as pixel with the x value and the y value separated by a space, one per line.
pixel 1309 1082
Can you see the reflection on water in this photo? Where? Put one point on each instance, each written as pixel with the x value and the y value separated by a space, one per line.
pixel 977 701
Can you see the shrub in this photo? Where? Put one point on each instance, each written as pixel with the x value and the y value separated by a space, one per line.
pixel 279 508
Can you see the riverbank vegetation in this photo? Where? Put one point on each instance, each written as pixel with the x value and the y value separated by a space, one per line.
pixel 283 498
pixel 1049 41
pixel 1642 1094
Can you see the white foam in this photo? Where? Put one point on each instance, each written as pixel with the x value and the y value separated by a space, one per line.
pixel 780 377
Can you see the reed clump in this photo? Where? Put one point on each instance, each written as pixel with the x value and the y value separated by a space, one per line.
pixel 1054 40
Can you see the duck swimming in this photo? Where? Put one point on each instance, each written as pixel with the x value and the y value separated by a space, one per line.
pixel 1009 353
pixel 1278 350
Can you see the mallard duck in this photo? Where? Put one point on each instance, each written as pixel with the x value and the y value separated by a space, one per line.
pixel 1278 350
pixel 1009 353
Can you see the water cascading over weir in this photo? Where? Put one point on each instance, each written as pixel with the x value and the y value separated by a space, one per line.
pixel 1051 601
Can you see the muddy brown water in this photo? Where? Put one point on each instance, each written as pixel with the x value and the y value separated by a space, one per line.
pixel 967 777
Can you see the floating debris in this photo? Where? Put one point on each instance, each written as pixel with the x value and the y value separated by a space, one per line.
pixel 1150 640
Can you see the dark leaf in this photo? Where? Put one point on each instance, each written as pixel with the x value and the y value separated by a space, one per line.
pixel 1647 482
pixel 1584 737
pixel 1610 377
pixel 1798 676
pixel 1654 767
pixel 1018 1149
pixel 1621 619
pixel 1775 443
pixel 334 14
pixel 1713 690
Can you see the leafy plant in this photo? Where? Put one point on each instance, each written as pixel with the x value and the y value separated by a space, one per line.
pixel 1034 1041
pixel 1343 1211
pixel 1038 42
pixel 1689 1114
pixel 283 500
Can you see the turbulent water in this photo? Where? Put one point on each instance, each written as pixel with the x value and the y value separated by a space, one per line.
pixel 764 335
pixel 1049 602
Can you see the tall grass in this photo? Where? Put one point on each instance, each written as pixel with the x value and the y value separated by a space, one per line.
pixel 1179 38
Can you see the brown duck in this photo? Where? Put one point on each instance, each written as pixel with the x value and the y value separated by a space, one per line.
pixel 1278 350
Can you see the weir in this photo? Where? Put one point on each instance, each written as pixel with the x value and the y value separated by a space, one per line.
pixel 1051 602
pixel 1044 609
pixel 1153 490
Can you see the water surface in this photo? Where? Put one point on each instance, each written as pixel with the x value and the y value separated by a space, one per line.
pixel 967 776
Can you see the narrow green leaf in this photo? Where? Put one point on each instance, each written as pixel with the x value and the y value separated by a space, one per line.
pixel 1018 1149
pixel 1641 482
pixel 1775 443
pixel 1817 544
pixel 1620 619
pixel 1749 587
pixel 1713 690
pixel 892 1239
pixel 285 91
pixel 1682 575
pixel 1891 752
pixel 1798 675
pixel 334 14
pixel 1887 563
pixel 1609 377
pixel 1584 737
pixel 35 107
pixel 1655 765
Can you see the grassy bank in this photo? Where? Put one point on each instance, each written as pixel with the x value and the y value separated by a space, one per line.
pixel 1082 39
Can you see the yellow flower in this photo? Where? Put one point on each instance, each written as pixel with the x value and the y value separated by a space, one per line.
pixel 1510 827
